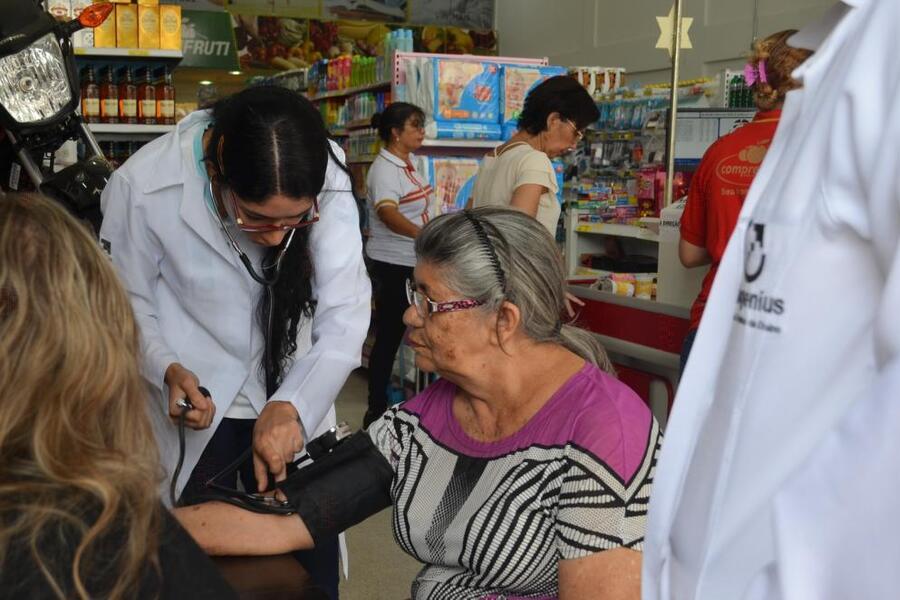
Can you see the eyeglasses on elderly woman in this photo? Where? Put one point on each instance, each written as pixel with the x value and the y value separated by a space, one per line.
pixel 426 306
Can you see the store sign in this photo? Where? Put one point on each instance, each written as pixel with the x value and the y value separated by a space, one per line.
pixel 208 40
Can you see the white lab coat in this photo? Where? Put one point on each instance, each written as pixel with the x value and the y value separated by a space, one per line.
pixel 196 304
pixel 777 479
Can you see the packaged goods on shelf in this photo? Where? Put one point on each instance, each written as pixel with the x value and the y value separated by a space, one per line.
pixel 105 33
pixel 460 130
pixel 85 37
pixel 170 27
pixel 126 26
pixel 599 80
pixel 517 82
pixel 362 142
pixel 148 27
pixel 509 131
pixel 60 9
pixel 452 180
pixel 466 90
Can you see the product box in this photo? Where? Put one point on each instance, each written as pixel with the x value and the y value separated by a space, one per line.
pixel 105 34
pixel 170 27
pixel 60 9
pixel 452 180
pixel 509 131
pixel 85 37
pixel 466 90
pixel 126 26
pixel 517 82
pixel 462 130
pixel 148 26
pixel 148 2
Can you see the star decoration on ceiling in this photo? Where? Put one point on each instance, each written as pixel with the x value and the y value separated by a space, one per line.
pixel 667 25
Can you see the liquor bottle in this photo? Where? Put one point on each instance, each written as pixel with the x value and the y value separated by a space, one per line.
pixel 90 96
pixel 128 111
pixel 165 99
pixel 109 97
pixel 146 96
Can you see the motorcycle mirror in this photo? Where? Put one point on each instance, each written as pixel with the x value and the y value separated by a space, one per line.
pixel 95 14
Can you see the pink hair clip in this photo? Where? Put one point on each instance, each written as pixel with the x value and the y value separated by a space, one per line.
pixel 755 74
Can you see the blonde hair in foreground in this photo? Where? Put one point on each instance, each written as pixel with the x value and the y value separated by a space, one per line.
pixel 78 454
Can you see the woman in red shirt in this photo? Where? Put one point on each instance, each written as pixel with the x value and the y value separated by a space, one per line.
pixel 723 178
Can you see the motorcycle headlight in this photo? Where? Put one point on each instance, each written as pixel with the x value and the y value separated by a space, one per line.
pixel 33 82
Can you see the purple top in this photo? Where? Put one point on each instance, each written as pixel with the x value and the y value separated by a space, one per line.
pixel 592 409
pixel 494 519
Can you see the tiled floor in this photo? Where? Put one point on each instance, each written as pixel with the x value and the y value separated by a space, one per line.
pixel 379 570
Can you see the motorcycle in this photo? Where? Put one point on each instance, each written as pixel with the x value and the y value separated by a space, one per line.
pixel 39 97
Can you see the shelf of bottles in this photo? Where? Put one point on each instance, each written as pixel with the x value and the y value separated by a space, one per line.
pixel 128 96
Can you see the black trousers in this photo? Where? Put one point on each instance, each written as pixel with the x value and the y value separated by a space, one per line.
pixel 230 440
pixel 389 290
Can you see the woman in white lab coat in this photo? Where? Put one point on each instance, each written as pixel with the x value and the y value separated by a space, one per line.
pixel 196 222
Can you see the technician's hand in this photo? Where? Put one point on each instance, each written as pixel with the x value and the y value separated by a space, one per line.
pixel 184 384
pixel 277 437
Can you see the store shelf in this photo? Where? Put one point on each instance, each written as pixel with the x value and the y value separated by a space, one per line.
pixel 361 159
pixel 588 272
pixel 128 129
pixel 351 126
pixel 614 229
pixel 133 53
pixel 383 85
pixel 487 144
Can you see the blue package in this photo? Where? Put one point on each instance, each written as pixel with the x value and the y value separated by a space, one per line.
pixel 454 130
pixel 509 131
pixel 518 81
pixel 466 90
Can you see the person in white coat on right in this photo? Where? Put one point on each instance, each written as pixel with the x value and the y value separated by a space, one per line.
pixel 778 476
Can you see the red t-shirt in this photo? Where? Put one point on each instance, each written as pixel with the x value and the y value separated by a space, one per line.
pixel 717 193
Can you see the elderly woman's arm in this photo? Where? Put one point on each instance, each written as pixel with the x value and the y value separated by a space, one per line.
pixel 609 575
pixel 222 529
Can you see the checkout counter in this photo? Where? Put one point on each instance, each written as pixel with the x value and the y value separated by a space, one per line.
pixel 644 336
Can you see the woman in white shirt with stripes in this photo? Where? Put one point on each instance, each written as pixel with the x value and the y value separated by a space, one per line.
pixel 398 201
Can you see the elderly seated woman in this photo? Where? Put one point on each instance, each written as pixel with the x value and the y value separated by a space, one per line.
pixel 524 472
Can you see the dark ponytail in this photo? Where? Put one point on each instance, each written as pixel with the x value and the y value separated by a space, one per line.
pixel 267 141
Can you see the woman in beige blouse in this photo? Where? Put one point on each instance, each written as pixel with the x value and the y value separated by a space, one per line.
pixel 518 174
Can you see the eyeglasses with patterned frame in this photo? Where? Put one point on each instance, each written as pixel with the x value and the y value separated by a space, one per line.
pixel 426 306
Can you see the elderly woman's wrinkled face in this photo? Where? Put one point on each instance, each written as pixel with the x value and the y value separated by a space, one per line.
pixel 449 343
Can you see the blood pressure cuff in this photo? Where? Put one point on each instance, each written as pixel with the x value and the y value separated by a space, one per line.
pixel 342 488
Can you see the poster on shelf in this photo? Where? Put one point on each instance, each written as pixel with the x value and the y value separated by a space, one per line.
pixel 381 10
pixel 208 40
pixel 468 14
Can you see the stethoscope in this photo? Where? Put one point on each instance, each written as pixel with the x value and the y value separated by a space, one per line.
pixel 269 282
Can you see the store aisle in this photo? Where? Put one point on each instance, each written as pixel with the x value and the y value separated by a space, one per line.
pixel 379 570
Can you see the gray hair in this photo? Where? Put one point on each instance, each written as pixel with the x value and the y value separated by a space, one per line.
pixel 497 254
